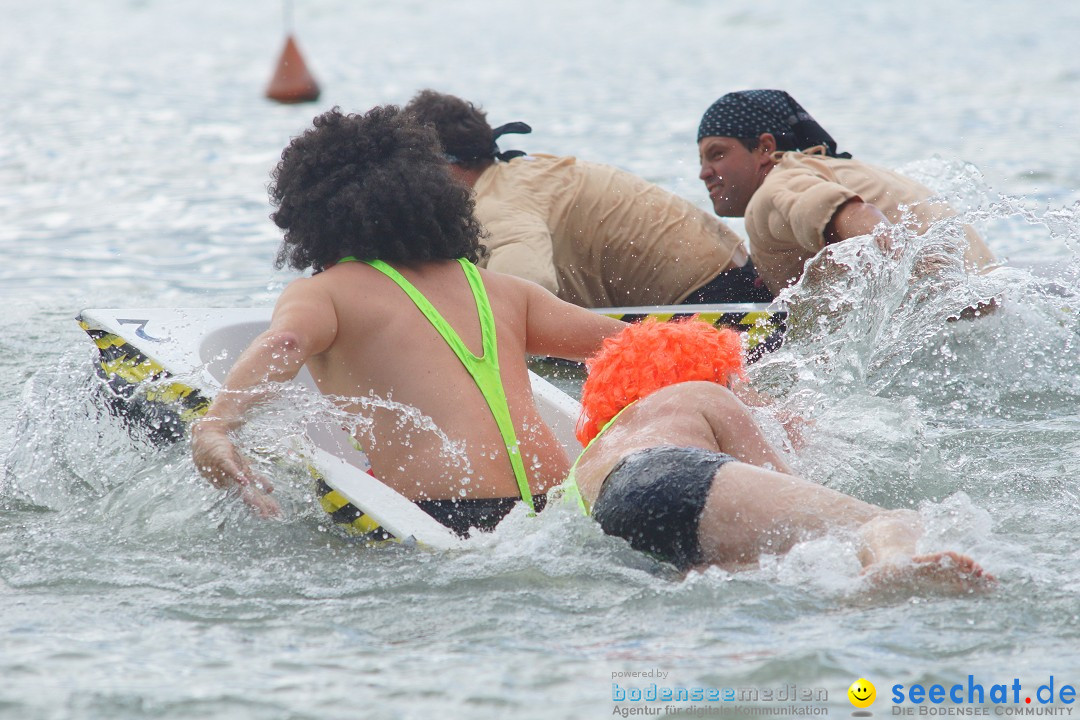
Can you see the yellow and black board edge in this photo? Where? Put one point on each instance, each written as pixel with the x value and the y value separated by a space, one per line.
pixel 762 324
pixel 137 389
pixel 154 406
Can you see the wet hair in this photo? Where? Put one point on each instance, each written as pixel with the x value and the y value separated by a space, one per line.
pixel 750 143
pixel 648 356
pixel 373 186
pixel 463 129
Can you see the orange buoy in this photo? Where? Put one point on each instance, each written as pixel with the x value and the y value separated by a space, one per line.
pixel 292 83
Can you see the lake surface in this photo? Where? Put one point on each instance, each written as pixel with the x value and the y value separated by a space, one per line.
pixel 134 159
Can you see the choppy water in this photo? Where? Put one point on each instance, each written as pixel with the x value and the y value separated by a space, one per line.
pixel 133 162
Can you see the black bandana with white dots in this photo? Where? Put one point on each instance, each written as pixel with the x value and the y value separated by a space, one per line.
pixel 749 113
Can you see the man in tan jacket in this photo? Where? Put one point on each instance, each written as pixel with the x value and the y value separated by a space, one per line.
pixel 763 157
pixel 594 235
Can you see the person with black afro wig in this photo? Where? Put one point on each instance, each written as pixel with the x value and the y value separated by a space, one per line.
pixel 397 310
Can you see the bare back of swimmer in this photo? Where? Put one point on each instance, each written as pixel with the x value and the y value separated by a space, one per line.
pixel 375 187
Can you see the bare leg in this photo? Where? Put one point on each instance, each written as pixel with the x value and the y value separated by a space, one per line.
pixel 889 536
pixel 750 511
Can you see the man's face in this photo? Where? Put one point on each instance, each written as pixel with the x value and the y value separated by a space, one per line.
pixel 731 174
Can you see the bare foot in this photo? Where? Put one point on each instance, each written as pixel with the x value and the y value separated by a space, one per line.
pixel 947 573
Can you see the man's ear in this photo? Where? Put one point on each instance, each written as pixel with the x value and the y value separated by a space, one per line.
pixel 767 144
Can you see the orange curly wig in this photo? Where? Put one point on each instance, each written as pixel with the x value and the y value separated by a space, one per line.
pixel 650 355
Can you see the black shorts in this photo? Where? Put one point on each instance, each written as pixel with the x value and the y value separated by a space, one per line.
pixel 738 285
pixel 480 513
pixel 654 498
pixel 460 515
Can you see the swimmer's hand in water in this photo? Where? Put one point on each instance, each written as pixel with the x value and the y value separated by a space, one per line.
pixel 979 309
pixel 218 460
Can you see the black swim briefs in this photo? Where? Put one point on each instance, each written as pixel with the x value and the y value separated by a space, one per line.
pixel 654 498
pixel 737 285
pixel 468 513
pixel 460 515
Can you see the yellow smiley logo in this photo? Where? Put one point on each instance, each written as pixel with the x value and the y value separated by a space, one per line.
pixel 862 693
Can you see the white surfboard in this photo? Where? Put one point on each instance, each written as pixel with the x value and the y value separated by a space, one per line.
pixel 196 347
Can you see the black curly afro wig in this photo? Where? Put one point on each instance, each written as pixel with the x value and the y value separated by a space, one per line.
pixel 373 186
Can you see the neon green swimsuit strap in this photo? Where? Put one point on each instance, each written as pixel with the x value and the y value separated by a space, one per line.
pixel 484 370
pixel 569 486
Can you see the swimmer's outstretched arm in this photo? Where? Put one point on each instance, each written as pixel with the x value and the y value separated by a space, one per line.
pixel 304 324
pixel 855 218
pixel 560 329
